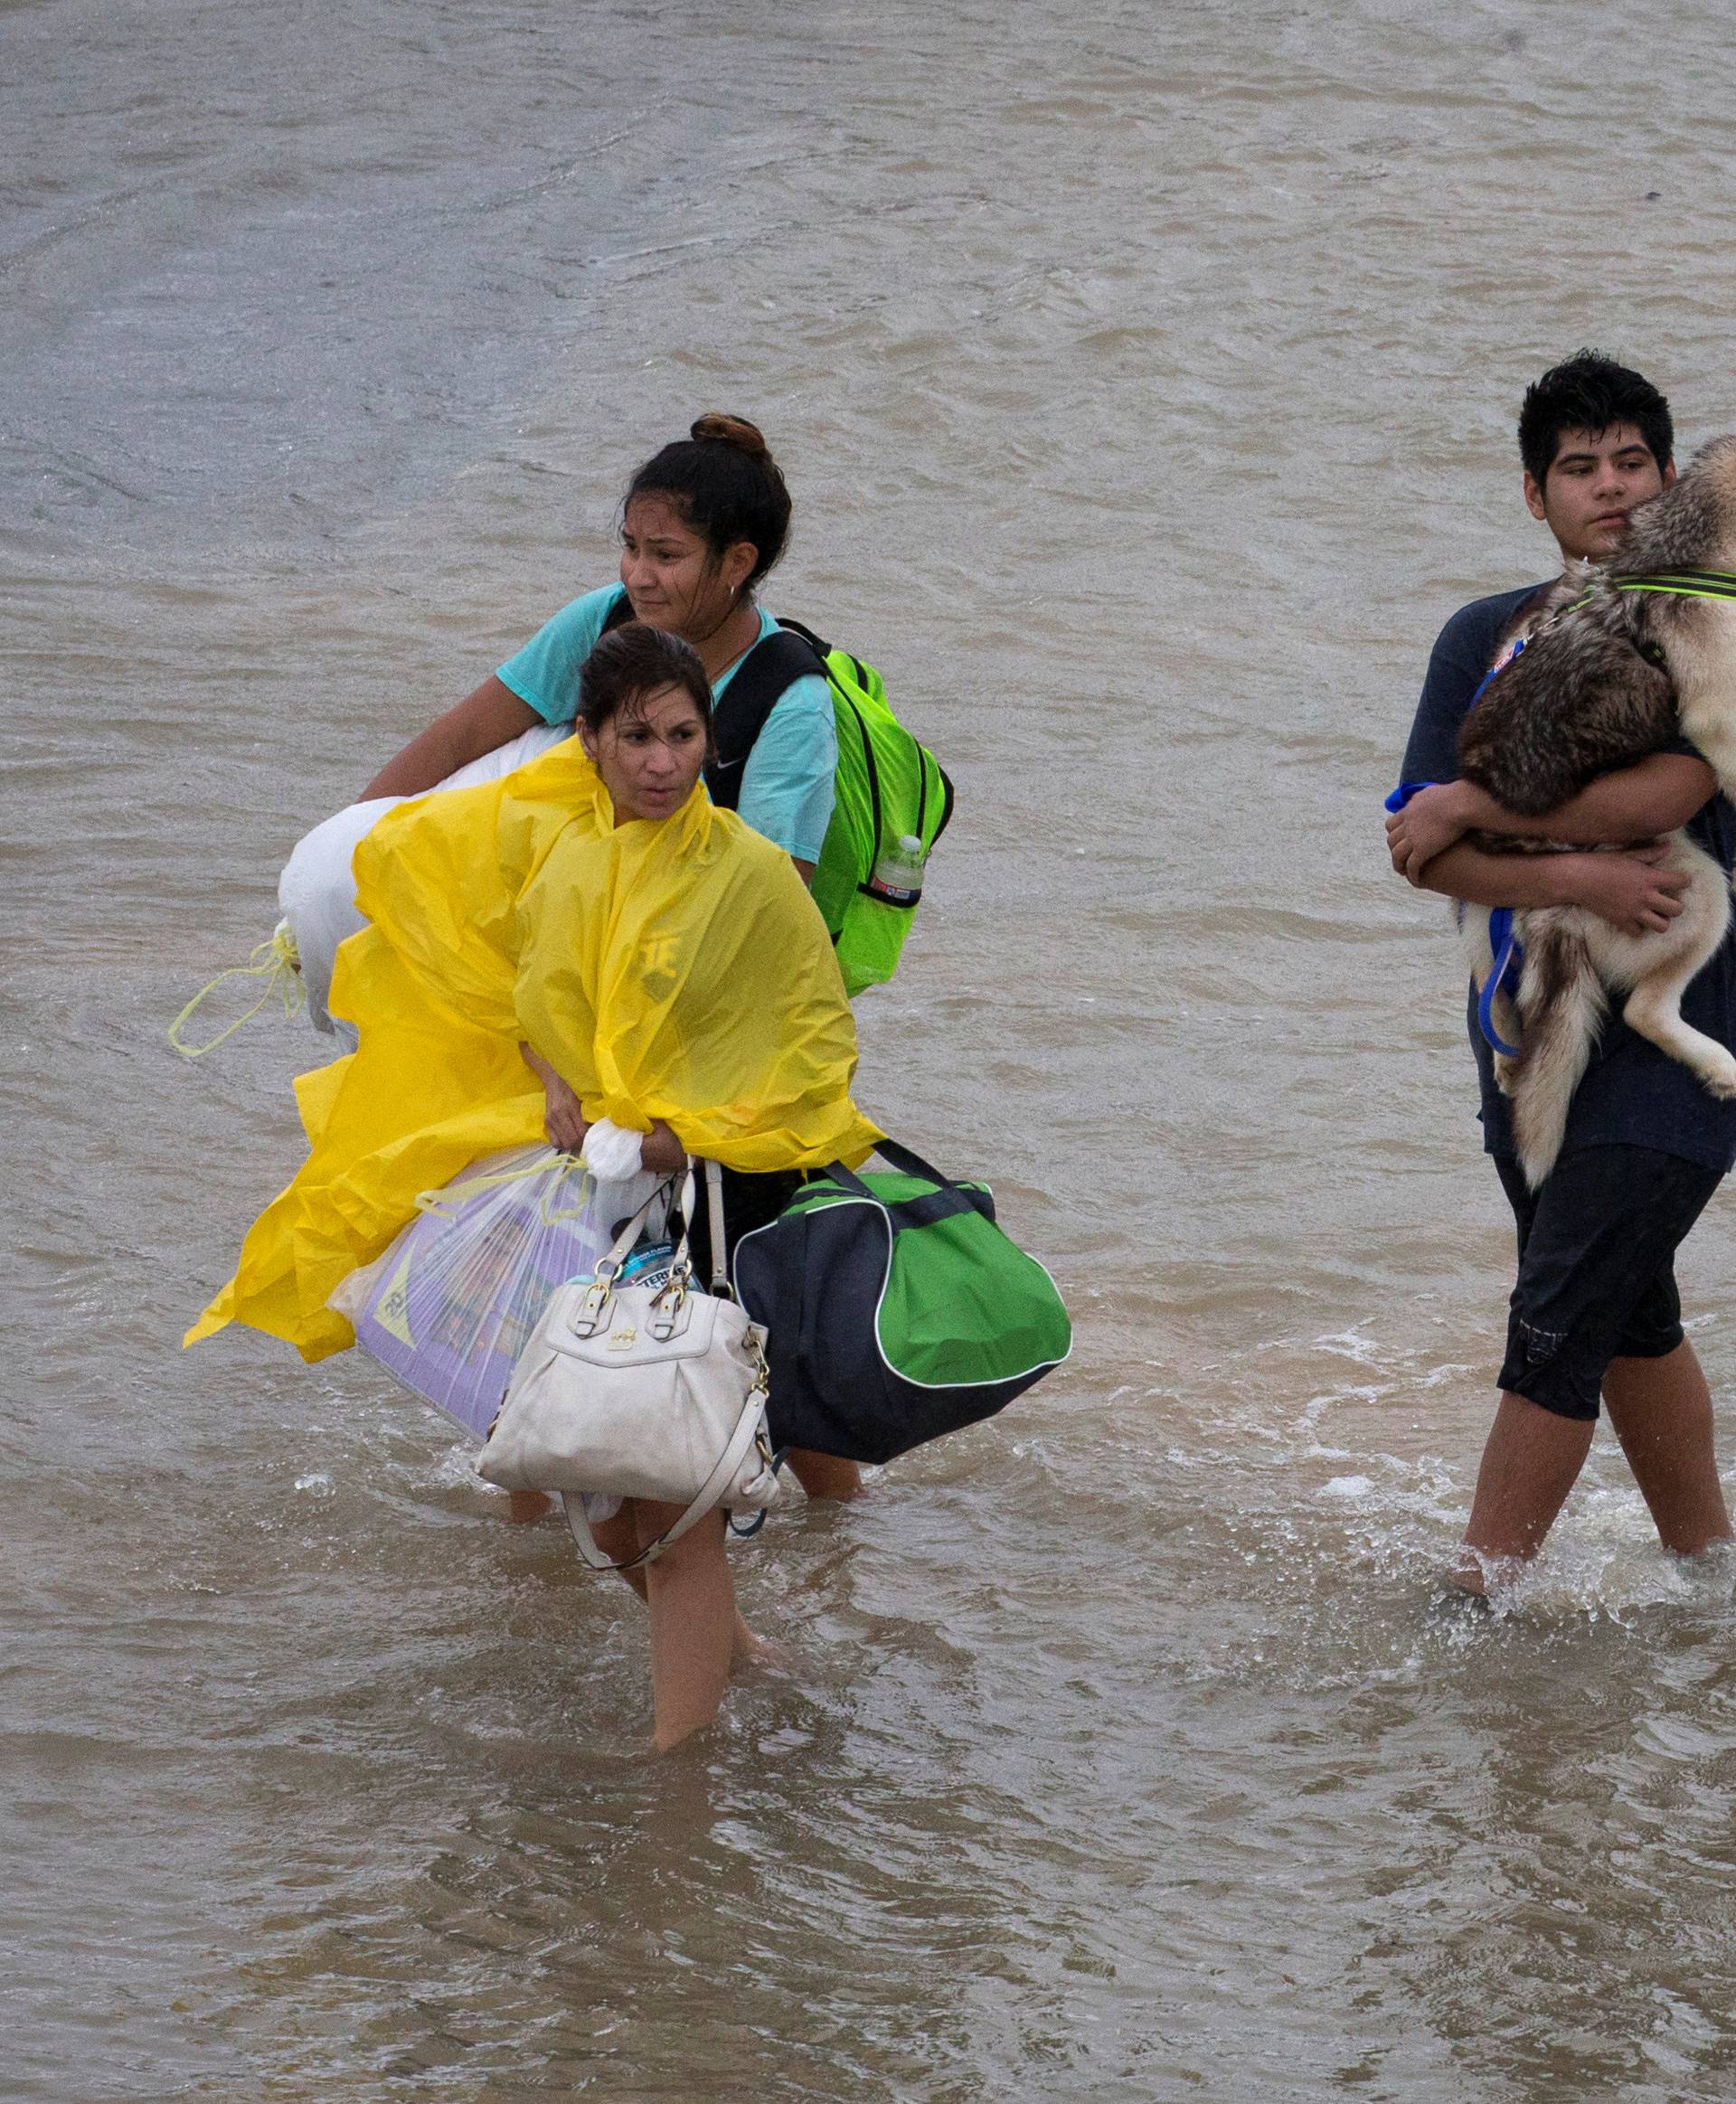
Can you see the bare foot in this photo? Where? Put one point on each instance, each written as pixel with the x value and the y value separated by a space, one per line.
pixel 1456 1597
pixel 746 1649
pixel 526 1507
pixel 1479 1577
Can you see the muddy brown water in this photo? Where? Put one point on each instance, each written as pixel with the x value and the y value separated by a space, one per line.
pixel 1145 382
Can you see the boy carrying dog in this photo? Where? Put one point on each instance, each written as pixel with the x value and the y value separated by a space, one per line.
pixel 1594 1311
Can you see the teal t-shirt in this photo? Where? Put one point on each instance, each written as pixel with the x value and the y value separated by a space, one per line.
pixel 787 784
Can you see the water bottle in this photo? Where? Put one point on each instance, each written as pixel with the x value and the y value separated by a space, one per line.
pixel 648 1263
pixel 898 874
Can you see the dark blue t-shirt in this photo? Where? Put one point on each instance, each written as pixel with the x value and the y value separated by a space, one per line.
pixel 1633 1094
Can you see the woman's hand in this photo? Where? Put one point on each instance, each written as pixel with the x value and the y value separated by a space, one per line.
pixel 565 1124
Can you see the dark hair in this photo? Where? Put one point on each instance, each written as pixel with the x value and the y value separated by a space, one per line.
pixel 726 486
pixel 634 661
pixel 1590 392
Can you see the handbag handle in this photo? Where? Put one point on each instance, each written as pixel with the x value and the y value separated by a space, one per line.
pixel 595 1303
pixel 721 1286
pixel 630 1234
pixel 610 1262
pixel 588 1316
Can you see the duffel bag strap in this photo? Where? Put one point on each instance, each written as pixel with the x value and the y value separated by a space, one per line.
pixel 710 1491
pixel 913 1165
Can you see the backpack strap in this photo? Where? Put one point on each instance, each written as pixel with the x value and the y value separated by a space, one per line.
pixel 821 650
pixel 947 795
pixel 764 676
pixel 762 680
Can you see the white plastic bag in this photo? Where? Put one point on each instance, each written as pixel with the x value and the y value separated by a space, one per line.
pixel 612 1151
pixel 448 1307
pixel 316 896
pixel 316 891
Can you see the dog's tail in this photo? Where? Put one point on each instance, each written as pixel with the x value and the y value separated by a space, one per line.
pixel 1560 1005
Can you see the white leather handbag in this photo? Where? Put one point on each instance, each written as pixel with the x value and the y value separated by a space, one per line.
pixel 655 1391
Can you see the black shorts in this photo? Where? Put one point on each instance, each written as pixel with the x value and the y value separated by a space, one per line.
pixel 1597 1279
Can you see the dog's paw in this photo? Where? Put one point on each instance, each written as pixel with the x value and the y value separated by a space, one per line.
pixel 1720 1076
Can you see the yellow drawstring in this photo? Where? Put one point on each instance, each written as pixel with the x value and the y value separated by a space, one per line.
pixel 556 1166
pixel 277 962
pixel 552 1163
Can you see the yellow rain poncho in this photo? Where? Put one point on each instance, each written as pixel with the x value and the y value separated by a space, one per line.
pixel 674 969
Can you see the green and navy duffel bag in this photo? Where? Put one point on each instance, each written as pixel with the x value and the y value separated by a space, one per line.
pixel 896 1310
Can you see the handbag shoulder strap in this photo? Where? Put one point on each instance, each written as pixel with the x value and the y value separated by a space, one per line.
pixel 721 1287
pixel 714 1487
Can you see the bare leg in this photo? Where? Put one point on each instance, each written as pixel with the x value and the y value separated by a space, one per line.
pixel 524 1506
pixel 619 1538
pixel 1530 1463
pixel 824 1474
pixel 692 1598
pixel 1662 1412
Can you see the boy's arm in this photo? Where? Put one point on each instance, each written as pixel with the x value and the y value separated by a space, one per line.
pixel 1631 889
pixel 1642 802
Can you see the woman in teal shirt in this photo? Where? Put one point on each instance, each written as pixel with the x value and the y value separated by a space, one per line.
pixel 704 522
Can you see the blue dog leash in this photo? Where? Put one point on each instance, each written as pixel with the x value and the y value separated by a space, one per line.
pixel 1504 976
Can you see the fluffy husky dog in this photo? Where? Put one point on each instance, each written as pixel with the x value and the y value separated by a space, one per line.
pixel 1607 676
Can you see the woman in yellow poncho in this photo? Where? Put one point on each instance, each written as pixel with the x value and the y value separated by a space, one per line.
pixel 594 921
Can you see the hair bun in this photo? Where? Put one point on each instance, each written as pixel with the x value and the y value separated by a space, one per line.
pixel 735 432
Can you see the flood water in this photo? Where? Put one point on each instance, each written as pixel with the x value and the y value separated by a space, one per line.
pixel 1146 381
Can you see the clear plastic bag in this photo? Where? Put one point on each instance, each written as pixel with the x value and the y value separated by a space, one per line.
pixel 450 1306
